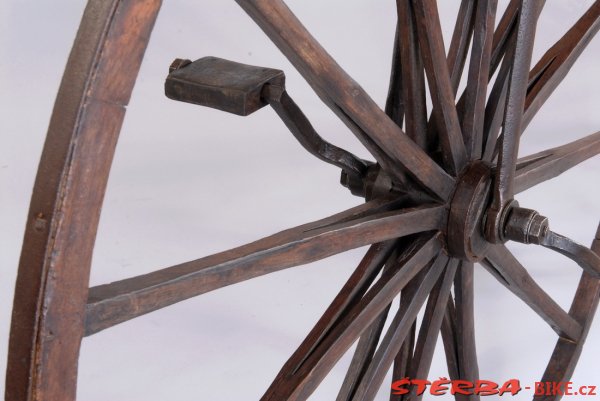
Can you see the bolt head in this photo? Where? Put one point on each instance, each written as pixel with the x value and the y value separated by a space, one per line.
pixel 179 63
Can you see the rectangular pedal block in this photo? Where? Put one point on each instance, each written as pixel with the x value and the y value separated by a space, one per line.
pixel 222 84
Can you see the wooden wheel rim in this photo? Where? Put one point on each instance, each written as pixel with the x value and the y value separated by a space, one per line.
pixel 52 196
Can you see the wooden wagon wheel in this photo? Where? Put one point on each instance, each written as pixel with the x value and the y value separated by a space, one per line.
pixel 439 195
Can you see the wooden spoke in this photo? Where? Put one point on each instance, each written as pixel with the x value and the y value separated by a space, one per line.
pixel 474 110
pixel 350 294
pixel 503 189
pixel 566 353
pixel 396 334
pixel 516 278
pixel 367 344
pixel 548 164
pixel 450 340
pixel 552 68
pixel 394 104
pixel 504 30
pixel 459 45
pixel 299 385
pixel 413 91
pixel 404 357
pixel 345 97
pixel 444 109
pixel 468 368
pixel 117 302
pixel 494 109
pixel 422 224
pixel 431 326
pixel 502 50
pixel 459 48
pixel 52 283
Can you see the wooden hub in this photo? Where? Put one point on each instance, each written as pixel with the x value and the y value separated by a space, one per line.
pixel 467 209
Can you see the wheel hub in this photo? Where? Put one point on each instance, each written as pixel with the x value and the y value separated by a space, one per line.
pixel 465 235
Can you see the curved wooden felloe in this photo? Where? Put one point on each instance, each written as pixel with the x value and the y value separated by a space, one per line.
pixel 427 193
pixel 52 283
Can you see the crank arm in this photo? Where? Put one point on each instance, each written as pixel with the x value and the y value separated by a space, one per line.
pixel 583 256
pixel 529 227
pixel 243 89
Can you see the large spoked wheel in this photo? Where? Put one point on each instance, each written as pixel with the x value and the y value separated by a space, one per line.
pixel 440 196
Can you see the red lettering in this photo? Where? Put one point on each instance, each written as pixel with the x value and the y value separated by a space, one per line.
pixel 592 390
pixel 398 386
pixel 556 388
pixel 568 388
pixel 538 388
pixel 439 387
pixel 421 385
pixel 512 386
pixel 485 387
pixel 461 387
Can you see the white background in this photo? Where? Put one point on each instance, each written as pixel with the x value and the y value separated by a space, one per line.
pixel 189 181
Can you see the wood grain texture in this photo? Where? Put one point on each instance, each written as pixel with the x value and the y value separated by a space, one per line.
pixel 548 164
pixel 431 326
pixel 52 284
pixel 413 90
pixel 506 268
pixel 397 332
pixel 556 63
pixel 345 97
pixel 120 301
pixel 503 189
pixel 472 119
pixel 566 353
pixel 352 291
pixel 355 322
pixel 466 350
pixel 431 43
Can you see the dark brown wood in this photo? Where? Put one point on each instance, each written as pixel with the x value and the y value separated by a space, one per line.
pixel 354 323
pixel 344 96
pixel 503 265
pixel 396 334
pixel 479 70
pixel 554 65
pixel 431 326
pixel 513 115
pixel 394 104
pixel 552 68
pixel 504 30
pixel 459 45
pixel 413 89
pixel 367 344
pixel 222 84
pixel 349 295
pixel 52 284
pixel 545 165
pixel 427 195
pixel 442 95
pixel 494 109
pixel 566 353
pixel 404 358
pixel 468 368
pixel 449 339
pixel 120 301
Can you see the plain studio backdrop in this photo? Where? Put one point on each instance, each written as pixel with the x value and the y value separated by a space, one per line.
pixel 188 181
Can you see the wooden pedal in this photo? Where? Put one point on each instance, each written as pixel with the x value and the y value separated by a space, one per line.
pixel 221 84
